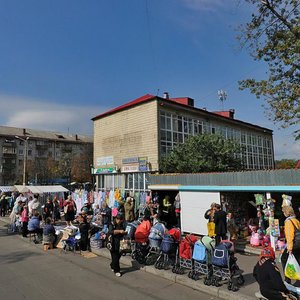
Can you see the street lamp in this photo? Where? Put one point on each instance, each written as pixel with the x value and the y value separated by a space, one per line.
pixel 25 157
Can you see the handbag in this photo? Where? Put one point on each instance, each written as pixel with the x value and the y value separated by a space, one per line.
pixel 125 245
pixel 292 268
pixel 296 245
pixel 211 229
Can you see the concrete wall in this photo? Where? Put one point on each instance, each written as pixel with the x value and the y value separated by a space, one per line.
pixel 128 133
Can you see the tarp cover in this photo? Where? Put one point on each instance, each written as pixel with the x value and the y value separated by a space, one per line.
pixel 40 189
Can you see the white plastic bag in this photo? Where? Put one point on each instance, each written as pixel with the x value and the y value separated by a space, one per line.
pixel 292 268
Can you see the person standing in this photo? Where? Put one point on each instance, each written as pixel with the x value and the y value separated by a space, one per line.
pixel 290 225
pixel 220 219
pixel 48 209
pixel 3 204
pixel 56 210
pixel 24 220
pixel 69 210
pixel 129 209
pixel 117 231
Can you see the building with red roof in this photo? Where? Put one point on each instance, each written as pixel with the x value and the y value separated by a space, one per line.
pixel 130 140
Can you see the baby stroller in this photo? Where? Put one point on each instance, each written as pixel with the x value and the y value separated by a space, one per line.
pixel 202 257
pixel 141 247
pixel 156 234
pixel 184 261
pixel 168 249
pixel 225 267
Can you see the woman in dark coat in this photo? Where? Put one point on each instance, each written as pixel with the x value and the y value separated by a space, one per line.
pixel 84 227
pixel 116 231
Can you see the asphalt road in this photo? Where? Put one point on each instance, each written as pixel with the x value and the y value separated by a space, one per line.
pixel 27 272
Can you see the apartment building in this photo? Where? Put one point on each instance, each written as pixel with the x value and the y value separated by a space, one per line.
pixel 19 144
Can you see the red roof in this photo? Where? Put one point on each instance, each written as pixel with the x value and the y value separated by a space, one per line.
pixel 139 100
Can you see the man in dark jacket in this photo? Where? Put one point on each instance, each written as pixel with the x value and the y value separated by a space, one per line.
pixel 220 224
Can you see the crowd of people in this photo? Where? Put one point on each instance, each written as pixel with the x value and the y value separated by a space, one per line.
pixel 41 219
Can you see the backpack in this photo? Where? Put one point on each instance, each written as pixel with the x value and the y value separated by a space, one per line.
pixel 296 246
pixel 157 231
pixel 200 253
pixel 221 256
pixel 186 246
pixel 167 243
pixel 131 228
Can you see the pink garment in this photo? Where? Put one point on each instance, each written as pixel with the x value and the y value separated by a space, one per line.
pixel 24 215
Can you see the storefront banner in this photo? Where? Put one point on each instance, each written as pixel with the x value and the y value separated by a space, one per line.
pixel 130 160
pixel 106 160
pixel 103 170
pixel 128 169
pixel 143 164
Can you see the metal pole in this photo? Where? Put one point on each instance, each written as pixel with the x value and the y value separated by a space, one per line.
pixel 25 157
pixel 24 163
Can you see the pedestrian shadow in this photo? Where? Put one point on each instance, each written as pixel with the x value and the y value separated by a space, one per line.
pixel 16 257
pixel 249 279
pixel 135 266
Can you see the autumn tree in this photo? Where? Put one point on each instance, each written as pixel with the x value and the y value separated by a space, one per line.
pixel 285 164
pixel 273 36
pixel 203 153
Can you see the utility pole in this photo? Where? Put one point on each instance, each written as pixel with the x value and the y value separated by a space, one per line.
pixel 25 157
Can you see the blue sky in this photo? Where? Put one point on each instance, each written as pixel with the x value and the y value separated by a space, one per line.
pixel 63 62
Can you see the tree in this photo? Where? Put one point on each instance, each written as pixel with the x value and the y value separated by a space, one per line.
pixel 285 164
pixel 273 35
pixel 203 153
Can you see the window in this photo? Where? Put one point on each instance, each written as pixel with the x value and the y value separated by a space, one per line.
pixel 21 152
pixel 29 152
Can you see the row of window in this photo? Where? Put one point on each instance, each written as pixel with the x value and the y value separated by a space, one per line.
pixel 130 181
pixel 258 152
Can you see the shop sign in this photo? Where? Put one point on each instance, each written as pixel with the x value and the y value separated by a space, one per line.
pixel 128 169
pixel 103 170
pixel 105 160
pixel 143 164
pixel 130 160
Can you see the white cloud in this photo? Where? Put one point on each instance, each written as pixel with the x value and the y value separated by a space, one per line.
pixel 46 115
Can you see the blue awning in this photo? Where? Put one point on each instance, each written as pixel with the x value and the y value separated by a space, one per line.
pixel 251 188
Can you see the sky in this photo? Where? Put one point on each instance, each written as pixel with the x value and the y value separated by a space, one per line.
pixel 62 62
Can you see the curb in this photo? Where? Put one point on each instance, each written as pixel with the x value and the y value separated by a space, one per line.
pixel 217 292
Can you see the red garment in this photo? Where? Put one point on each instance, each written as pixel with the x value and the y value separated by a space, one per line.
pixel 71 205
pixel 142 232
pixel 25 215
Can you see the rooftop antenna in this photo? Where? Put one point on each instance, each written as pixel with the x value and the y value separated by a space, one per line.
pixel 222 97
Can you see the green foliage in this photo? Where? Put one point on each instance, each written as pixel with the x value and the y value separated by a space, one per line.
pixel 285 163
pixel 273 36
pixel 203 153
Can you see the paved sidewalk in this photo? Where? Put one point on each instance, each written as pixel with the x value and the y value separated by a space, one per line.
pixel 246 262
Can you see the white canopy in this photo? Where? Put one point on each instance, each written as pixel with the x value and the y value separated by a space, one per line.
pixel 40 189
pixel 6 188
